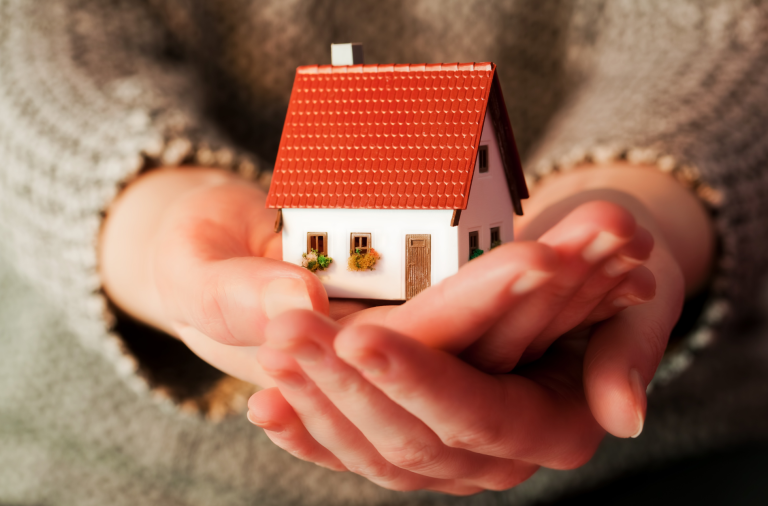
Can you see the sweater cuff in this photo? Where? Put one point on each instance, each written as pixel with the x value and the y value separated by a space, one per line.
pixel 704 314
pixel 89 99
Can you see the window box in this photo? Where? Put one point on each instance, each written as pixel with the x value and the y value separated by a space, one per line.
pixel 359 261
pixel 315 261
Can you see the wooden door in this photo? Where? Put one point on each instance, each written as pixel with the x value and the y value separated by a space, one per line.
pixel 418 264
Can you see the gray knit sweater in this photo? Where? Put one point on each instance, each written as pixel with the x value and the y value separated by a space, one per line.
pixel 92 92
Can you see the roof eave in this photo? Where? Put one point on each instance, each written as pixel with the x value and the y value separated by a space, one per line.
pixel 510 157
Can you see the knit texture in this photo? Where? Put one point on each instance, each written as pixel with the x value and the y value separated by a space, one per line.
pixel 92 92
pixel 90 95
pixel 683 86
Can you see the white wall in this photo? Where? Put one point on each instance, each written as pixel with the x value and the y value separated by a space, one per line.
pixel 490 204
pixel 388 228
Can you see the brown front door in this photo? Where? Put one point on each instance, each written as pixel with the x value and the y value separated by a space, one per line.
pixel 418 264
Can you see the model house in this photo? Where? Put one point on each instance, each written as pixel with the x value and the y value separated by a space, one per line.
pixel 391 177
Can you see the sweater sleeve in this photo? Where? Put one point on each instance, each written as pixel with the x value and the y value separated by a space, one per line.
pixel 686 89
pixel 90 95
pixel 683 86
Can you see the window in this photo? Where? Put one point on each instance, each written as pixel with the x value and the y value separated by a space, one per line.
pixel 359 241
pixel 482 159
pixel 495 237
pixel 474 242
pixel 317 241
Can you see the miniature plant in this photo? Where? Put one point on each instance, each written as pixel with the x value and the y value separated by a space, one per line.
pixel 363 261
pixel 495 244
pixel 315 261
pixel 475 253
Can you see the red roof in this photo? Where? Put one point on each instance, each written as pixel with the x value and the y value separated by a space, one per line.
pixel 388 137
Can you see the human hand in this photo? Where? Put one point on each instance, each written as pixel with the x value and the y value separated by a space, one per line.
pixel 407 416
pixel 620 359
pixel 625 350
pixel 584 269
pixel 193 252
pixel 326 411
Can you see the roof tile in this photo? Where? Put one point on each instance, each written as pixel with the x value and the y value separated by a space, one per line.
pixel 381 136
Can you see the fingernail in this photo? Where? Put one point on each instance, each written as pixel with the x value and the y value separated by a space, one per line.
pixel 284 294
pixel 529 281
pixel 620 264
pixel 638 388
pixel 266 425
pixel 628 300
pixel 601 245
pixel 371 362
pixel 292 380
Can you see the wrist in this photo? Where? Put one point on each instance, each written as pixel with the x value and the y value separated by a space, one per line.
pixel 678 221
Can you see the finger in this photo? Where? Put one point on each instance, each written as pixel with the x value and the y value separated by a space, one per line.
pixel 232 300
pixel 585 238
pixel 625 351
pixel 638 287
pixel 237 361
pixel 632 254
pixel 506 416
pixel 213 270
pixel 330 428
pixel 397 435
pixel 270 411
pixel 347 309
pixel 453 313
pixel 601 280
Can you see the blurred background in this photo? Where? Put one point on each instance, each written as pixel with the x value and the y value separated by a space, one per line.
pixel 94 91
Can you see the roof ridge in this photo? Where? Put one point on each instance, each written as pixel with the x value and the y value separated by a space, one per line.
pixel 392 67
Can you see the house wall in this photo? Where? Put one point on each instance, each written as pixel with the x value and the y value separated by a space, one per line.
pixel 388 228
pixel 490 204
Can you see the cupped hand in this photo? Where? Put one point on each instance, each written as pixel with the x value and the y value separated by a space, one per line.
pixel 626 348
pixel 407 416
pixel 217 265
pixel 336 407
pixel 513 302
pixel 194 252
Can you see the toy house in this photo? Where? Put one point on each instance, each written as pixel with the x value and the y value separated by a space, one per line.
pixel 411 169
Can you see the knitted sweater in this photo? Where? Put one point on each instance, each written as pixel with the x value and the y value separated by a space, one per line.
pixel 92 92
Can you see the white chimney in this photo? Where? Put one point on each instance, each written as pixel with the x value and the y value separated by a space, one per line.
pixel 347 54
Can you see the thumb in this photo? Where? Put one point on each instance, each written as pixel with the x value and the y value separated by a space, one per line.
pixel 232 300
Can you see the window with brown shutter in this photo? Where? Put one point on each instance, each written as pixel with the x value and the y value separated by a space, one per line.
pixel 359 241
pixel 317 241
